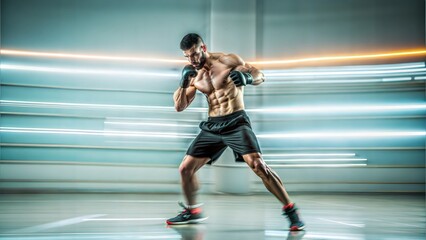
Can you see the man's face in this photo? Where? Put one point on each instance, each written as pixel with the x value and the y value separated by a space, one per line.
pixel 196 55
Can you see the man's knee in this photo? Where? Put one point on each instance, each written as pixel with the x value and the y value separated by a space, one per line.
pixel 184 169
pixel 260 168
pixel 190 165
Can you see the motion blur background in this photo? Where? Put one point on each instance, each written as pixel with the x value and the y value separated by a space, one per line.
pixel 98 116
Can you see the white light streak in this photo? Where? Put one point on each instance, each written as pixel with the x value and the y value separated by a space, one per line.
pixel 87 71
pixel 420 78
pixel 319 160
pixel 96 106
pixel 319 165
pixel 359 134
pixel 312 235
pixel 325 81
pixel 61 223
pixel 331 73
pixel 395 79
pixel 98 132
pixel 87 56
pixel 126 219
pixel 354 68
pixel 188 135
pixel 339 109
pixel 310 155
pixel 151 124
pixel 359 225
pixel 287 110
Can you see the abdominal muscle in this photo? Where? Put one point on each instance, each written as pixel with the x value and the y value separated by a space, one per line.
pixel 222 95
pixel 225 101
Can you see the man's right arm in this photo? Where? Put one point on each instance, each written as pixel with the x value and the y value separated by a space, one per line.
pixel 185 94
pixel 183 97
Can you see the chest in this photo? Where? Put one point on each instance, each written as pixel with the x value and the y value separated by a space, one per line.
pixel 216 78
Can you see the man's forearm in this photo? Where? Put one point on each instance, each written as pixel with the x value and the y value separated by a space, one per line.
pixel 258 77
pixel 181 100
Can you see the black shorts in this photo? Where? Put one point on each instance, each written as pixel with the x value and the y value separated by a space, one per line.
pixel 217 133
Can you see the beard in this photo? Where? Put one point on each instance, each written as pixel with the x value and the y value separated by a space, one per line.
pixel 203 59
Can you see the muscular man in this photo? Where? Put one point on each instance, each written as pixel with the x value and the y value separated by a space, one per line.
pixel 221 78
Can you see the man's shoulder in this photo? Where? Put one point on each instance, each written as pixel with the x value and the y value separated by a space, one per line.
pixel 230 59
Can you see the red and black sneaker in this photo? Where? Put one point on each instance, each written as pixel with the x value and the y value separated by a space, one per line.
pixel 187 216
pixel 293 215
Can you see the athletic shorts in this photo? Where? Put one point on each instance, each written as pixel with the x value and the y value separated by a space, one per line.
pixel 217 133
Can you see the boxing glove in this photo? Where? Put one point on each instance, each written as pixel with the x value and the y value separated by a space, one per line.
pixel 187 72
pixel 241 78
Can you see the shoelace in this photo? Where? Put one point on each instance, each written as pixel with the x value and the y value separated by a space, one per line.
pixel 185 208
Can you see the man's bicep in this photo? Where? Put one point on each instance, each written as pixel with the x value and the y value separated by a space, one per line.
pixel 250 68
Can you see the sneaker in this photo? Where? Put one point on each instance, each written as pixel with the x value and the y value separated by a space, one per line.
pixel 187 216
pixel 293 215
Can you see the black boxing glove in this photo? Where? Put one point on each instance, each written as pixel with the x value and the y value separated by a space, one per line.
pixel 187 72
pixel 241 78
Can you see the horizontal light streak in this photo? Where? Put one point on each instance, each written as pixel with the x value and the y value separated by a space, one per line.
pixel 342 134
pixel 313 235
pixel 343 73
pixel 359 225
pixel 283 110
pixel 87 71
pixel 310 155
pixel 125 219
pixel 319 165
pixel 344 58
pixel 98 106
pixel 150 124
pixel 420 78
pixel 396 79
pixel 167 134
pixel 98 132
pixel 354 67
pixel 400 53
pixel 276 76
pixel 92 235
pixel 86 56
pixel 318 160
pixel 340 109
pixel 325 81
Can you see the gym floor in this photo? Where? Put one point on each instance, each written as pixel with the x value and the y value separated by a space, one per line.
pixel 142 216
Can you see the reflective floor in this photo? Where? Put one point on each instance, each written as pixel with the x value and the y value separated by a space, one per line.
pixel 142 216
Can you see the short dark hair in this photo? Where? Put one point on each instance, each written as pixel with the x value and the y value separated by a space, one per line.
pixel 190 40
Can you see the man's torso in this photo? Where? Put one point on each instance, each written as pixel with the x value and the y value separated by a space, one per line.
pixel 222 95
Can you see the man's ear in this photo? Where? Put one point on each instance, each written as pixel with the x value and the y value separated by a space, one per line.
pixel 204 47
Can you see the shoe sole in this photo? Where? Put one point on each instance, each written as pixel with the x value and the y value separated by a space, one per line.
pixel 187 222
pixel 297 228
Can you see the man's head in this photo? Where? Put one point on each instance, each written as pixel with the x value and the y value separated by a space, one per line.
pixel 194 49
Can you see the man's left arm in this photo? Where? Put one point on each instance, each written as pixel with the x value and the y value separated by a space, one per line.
pixel 256 74
pixel 242 73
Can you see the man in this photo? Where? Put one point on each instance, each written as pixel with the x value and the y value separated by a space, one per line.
pixel 221 78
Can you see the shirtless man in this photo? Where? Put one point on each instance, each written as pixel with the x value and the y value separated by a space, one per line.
pixel 221 78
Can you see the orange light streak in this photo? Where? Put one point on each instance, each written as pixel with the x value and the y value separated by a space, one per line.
pixel 418 52
pixel 342 58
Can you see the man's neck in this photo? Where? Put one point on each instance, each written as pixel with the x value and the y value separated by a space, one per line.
pixel 208 63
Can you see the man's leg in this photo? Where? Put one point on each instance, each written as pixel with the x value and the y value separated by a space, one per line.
pixel 270 179
pixel 191 213
pixel 190 185
pixel 274 184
